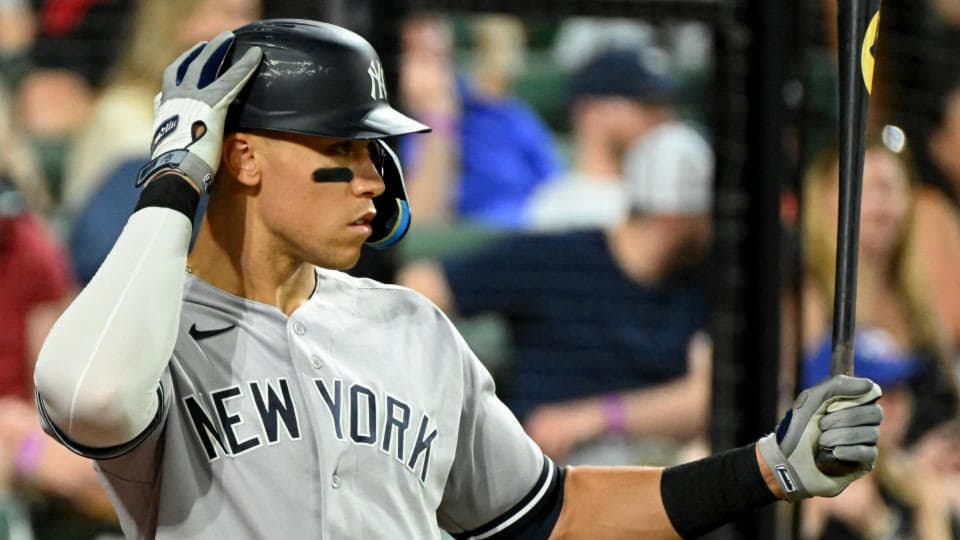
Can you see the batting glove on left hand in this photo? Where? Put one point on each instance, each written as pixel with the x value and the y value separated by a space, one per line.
pixel 192 108
pixel 840 414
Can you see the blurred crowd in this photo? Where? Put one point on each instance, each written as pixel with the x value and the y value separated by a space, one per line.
pixel 562 208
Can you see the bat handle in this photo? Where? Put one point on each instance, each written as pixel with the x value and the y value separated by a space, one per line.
pixel 830 465
pixel 826 460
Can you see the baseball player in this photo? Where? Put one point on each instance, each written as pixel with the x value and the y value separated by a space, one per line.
pixel 252 390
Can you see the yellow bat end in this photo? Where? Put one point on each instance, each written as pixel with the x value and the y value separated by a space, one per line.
pixel 866 55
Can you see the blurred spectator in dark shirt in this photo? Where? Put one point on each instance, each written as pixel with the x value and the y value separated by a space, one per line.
pixel 615 100
pixel 489 150
pixel 601 320
pixel 99 192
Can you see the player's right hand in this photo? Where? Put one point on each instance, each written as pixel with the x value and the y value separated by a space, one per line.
pixel 191 110
pixel 840 414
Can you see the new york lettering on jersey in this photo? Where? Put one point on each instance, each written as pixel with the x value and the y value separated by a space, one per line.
pixel 312 401
pixel 387 425
pixel 274 378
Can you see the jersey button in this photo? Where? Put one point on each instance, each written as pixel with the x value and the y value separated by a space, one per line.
pixel 316 362
pixel 335 481
pixel 299 329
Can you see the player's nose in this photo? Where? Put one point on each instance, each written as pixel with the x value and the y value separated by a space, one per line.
pixel 367 183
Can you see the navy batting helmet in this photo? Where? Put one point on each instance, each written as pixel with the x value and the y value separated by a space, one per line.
pixel 320 79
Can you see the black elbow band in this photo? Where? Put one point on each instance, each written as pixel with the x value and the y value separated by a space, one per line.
pixel 170 191
pixel 704 494
pixel 534 517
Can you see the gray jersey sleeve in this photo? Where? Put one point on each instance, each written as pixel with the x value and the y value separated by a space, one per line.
pixel 130 471
pixel 499 474
pixel 98 370
pixel 143 443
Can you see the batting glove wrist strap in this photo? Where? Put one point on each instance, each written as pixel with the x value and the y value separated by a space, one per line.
pixel 191 110
pixel 839 415
pixel 786 475
pixel 181 161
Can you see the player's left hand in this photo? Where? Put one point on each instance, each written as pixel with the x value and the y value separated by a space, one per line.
pixel 840 414
pixel 192 108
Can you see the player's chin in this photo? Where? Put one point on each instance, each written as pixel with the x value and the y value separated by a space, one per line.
pixel 336 252
pixel 347 265
pixel 345 258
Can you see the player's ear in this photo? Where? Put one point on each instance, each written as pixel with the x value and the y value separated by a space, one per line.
pixel 240 158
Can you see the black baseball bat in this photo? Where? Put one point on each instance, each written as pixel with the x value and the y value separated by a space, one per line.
pixel 858 23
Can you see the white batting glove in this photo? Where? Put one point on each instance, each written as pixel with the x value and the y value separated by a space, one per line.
pixel 840 415
pixel 192 108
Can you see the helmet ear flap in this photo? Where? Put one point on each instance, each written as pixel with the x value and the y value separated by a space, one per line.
pixel 393 211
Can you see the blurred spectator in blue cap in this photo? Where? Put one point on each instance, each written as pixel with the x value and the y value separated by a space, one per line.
pixel 615 102
pixel 489 150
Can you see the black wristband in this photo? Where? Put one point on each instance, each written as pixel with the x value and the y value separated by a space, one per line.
pixel 170 191
pixel 704 494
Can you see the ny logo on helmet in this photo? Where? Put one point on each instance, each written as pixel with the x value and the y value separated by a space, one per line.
pixel 378 88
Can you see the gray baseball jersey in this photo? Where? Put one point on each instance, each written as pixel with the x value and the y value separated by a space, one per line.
pixel 362 415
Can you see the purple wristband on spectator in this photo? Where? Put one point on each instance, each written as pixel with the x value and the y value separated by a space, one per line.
pixel 28 454
pixel 614 414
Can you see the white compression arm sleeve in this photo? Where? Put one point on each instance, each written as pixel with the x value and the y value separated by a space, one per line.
pixel 100 366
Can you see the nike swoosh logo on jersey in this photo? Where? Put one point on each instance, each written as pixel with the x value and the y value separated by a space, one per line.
pixel 197 335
